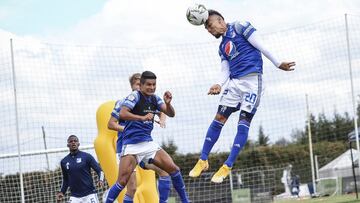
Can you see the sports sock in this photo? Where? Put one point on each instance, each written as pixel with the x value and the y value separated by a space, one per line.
pixel 128 199
pixel 179 186
pixel 212 136
pixel 239 142
pixel 164 184
pixel 114 192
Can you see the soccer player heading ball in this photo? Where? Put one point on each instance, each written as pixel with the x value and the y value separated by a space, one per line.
pixel 241 63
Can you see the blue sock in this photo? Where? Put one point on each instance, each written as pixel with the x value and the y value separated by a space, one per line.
pixel 114 192
pixel 179 186
pixel 128 199
pixel 212 136
pixel 239 142
pixel 164 184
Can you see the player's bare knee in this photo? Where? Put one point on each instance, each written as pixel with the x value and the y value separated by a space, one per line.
pixel 123 180
pixel 220 118
pixel 173 168
pixel 162 173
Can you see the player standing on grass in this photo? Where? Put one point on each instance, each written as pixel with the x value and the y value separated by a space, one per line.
pixel 115 123
pixel 240 52
pixel 138 111
pixel 76 171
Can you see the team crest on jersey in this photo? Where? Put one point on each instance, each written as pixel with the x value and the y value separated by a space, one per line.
pixel 78 160
pixel 230 50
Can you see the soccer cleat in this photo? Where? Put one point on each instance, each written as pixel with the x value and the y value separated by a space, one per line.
pixel 201 165
pixel 221 174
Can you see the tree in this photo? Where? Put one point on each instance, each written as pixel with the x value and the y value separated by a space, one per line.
pixel 299 137
pixel 283 142
pixel 263 140
pixel 324 128
pixel 342 125
pixel 169 147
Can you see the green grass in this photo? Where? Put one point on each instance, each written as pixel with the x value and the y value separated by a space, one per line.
pixel 334 199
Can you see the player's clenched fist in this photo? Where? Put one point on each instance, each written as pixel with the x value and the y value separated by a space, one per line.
pixel 167 97
pixel 148 117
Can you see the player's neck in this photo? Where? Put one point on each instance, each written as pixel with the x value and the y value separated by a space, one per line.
pixel 74 152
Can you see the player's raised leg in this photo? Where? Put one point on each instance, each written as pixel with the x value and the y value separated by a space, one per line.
pixel 163 160
pixel 126 168
pixel 212 136
pixel 251 89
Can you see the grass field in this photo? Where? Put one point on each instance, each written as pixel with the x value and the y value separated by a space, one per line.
pixel 334 199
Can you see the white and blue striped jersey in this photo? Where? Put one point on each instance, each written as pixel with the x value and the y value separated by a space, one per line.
pixel 242 57
pixel 116 114
pixel 139 104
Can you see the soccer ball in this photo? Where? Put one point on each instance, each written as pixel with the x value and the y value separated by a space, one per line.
pixel 197 14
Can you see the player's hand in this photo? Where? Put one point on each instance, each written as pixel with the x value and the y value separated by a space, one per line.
pixel 59 196
pixel 161 123
pixel 215 89
pixel 167 97
pixel 287 66
pixel 100 183
pixel 148 117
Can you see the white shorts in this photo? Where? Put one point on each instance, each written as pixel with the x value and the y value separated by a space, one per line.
pixel 244 91
pixel 144 151
pixel 92 198
pixel 118 155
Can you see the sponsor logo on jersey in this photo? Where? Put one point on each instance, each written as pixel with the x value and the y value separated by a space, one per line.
pixel 78 160
pixel 230 50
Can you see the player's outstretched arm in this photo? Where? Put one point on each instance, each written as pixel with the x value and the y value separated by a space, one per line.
pixel 113 124
pixel 167 108
pixel 125 114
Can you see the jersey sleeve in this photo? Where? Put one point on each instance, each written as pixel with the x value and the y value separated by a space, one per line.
pixel 131 100
pixel 94 165
pixel 116 111
pixel 244 28
pixel 159 102
pixel 65 178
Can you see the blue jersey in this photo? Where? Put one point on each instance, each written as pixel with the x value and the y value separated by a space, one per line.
pixel 77 173
pixel 140 131
pixel 116 114
pixel 243 58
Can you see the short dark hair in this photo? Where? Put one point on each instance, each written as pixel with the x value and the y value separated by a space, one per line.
pixel 212 12
pixel 134 77
pixel 72 136
pixel 147 75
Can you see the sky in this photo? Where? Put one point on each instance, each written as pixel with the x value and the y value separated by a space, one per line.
pixel 154 22
pixel 53 38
